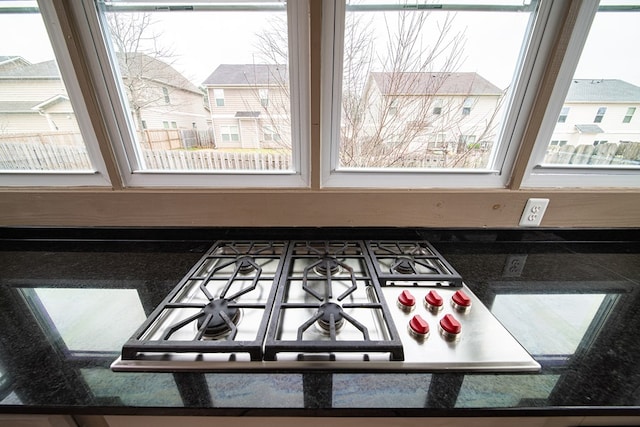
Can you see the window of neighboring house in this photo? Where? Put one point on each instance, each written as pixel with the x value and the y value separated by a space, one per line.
pixel 424 59
pixel 393 107
pixel 264 97
pixel 218 95
pixel 165 125
pixel 270 134
pixel 559 143
pixel 562 118
pixel 437 107
pixel 265 62
pixel 603 50
pixel 600 115
pixel 144 124
pixel 165 94
pixel 46 137
pixel 629 115
pixel 466 106
pixel 468 141
pixel 229 133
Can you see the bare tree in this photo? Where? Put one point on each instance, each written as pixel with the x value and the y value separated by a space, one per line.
pixel 145 65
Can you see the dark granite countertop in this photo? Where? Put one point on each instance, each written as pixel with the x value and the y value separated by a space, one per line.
pixel 69 298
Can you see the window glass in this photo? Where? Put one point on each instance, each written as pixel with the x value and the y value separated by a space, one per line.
pixel 418 83
pixel 602 97
pixel 199 83
pixel 39 130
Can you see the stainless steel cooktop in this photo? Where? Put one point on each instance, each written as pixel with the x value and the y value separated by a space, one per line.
pixel 389 306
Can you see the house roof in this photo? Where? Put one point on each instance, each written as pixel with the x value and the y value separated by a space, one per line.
pixel 602 90
pixel 41 70
pixel 135 64
pixel 440 83
pixel 131 65
pixel 248 74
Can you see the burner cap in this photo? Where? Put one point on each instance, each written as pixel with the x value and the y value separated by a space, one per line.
pixel 245 264
pixel 404 265
pixel 329 265
pixel 327 309
pixel 217 326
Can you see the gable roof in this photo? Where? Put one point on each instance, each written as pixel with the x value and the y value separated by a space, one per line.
pixel 27 70
pixel 137 64
pixel 248 74
pixel 440 83
pixel 602 90
pixel 131 65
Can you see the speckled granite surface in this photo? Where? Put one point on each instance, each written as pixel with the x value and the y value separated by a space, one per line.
pixel 69 298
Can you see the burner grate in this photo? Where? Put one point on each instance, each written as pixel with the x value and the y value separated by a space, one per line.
pixel 410 260
pixel 337 309
pixel 221 306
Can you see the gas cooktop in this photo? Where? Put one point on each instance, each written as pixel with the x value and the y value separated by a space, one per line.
pixel 389 306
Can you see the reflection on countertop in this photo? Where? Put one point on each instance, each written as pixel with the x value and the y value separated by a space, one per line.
pixel 66 306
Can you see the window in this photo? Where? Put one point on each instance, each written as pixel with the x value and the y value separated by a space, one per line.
pixel 165 94
pixel 270 134
pixel 153 66
pixel 229 133
pixel 466 106
pixel 562 118
pixel 218 95
pixel 441 69
pixel 600 115
pixel 437 106
pixel 264 97
pixel 46 136
pixel 600 77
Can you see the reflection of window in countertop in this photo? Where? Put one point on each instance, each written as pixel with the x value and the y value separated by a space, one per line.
pixel 89 320
pixel 561 320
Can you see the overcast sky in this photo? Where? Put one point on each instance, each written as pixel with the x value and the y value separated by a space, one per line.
pixel 205 40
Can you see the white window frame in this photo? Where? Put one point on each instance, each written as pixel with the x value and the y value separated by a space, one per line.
pixel 218 95
pixel 78 178
pixel 119 125
pixel 538 175
pixel 543 26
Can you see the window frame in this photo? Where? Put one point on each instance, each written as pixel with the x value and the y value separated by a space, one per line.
pixel 99 176
pixel 543 25
pixel 539 175
pixel 120 128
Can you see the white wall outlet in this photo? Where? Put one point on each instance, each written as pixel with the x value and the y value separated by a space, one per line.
pixel 533 212
pixel 514 265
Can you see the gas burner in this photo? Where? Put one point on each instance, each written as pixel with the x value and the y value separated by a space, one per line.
pixel 404 265
pixel 220 317
pixel 328 264
pixel 329 310
pixel 245 264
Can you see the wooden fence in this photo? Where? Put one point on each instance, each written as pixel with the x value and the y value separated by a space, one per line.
pixel 171 139
pixel 40 157
pixel 214 160
pixel 602 154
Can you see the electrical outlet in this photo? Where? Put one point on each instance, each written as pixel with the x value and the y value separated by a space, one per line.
pixel 514 265
pixel 533 212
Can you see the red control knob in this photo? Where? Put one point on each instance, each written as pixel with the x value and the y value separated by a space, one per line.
pixel 433 301
pixel 461 301
pixel 450 325
pixel 406 301
pixel 418 326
